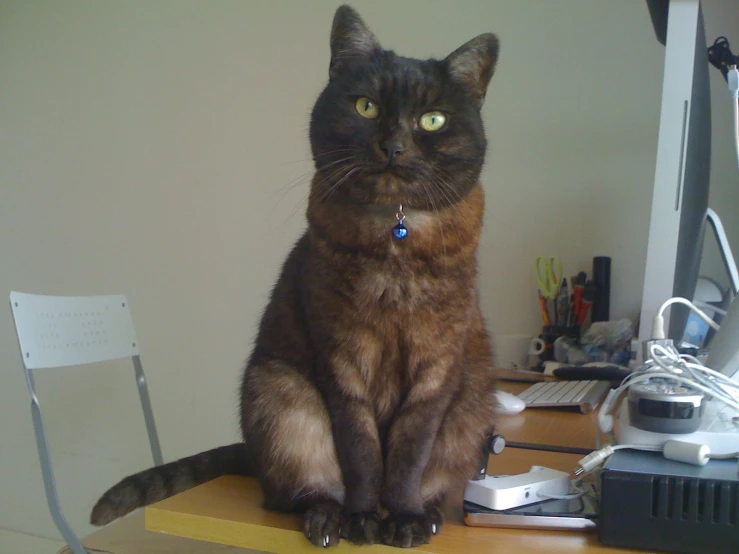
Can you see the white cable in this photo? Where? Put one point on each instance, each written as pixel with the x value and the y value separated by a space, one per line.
pixel 681 451
pixel 576 491
pixel 596 458
pixel 649 375
pixel 730 456
pixel 736 128
pixel 732 78
pixel 658 323
pixel 573 496
pixel 704 375
pixel 692 359
pixel 707 306
pixel 691 384
pixel 667 363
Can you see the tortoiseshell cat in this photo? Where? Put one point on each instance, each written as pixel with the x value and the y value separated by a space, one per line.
pixel 369 392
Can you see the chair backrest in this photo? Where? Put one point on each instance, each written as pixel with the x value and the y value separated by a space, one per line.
pixel 58 331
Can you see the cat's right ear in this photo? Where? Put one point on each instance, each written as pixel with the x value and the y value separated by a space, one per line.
pixel 350 38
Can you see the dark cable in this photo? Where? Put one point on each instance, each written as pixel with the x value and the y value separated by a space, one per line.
pixel 548 447
pixel 721 57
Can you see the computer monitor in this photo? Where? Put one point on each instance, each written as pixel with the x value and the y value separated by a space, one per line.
pixel 680 194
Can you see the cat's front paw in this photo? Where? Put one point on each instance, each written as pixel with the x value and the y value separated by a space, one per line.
pixel 408 530
pixel 322 524
pixel 437 519
pixel 361 528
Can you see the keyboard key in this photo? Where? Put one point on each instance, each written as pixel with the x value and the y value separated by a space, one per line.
pixel 551 393
pixel 577 392
pixel 531 391
pixel 585 390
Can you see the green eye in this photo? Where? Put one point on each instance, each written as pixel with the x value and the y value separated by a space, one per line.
pixel 367 108
pixel 432 121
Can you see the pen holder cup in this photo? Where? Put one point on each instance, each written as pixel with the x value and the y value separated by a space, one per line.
pixel 549 336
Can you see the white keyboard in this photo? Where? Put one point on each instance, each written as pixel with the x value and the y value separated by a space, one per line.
pixel 585 395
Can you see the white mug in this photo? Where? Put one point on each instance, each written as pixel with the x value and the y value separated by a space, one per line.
pixel 511 351
pixel 536 347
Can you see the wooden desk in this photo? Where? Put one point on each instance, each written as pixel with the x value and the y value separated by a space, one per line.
pixel 229 509
pixel 547 426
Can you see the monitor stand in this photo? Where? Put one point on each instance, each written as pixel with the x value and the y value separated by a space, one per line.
pixel 725 248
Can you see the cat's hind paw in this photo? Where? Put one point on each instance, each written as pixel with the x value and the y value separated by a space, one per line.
pixel 322 524
pixel 361 528
pixel 408 530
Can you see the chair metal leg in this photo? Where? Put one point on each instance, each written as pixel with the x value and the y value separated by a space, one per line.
pixel 156 450
pixel 47 472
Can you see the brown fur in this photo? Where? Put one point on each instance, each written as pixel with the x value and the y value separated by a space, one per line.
pixel 369 392
pixel 398 349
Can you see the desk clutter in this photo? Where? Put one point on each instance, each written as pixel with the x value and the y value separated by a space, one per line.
pixel 565 307
pixel 229 509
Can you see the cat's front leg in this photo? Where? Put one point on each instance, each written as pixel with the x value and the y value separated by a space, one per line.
pixel 411 521
pixel 360 456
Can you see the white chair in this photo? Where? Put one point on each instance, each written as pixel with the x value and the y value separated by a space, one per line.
pixel 59 331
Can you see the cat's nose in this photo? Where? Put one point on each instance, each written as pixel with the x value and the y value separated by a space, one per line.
pixel 392 150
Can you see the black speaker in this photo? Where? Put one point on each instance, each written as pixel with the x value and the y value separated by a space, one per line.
pixel 661 505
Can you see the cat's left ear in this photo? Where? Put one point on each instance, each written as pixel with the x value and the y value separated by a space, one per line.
pixel 473 64
pixel 350 38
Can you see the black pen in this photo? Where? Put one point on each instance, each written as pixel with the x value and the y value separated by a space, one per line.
pixel 562 302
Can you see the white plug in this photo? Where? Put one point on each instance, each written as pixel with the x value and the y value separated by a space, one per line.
pixel 605 419
pixel 686 452
pixel 679 451
pixel 504 493
pixel 732 78
pixel 658 327
pixel 658 322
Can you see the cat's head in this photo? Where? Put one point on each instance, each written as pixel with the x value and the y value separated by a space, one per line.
pixel 394 130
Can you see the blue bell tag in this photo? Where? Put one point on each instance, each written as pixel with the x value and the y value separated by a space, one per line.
pixel 400 231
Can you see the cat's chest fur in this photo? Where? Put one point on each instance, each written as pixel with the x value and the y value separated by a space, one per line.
pixel 393 288
pixel 401 280
pixel 391 311
pixel 404 319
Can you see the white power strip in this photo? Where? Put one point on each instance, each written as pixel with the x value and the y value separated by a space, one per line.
pixel 504 493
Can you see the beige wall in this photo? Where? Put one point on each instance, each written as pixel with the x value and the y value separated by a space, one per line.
pixel 159 149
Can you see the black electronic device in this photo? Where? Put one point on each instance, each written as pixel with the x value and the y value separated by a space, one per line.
pixel 649 502
pixel 665 406
pixel 592 373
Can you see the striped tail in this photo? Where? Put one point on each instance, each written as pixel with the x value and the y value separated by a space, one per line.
pixel 158 483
